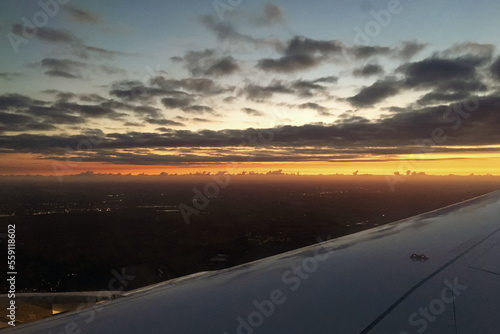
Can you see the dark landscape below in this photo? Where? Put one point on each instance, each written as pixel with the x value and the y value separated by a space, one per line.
pixel 77 234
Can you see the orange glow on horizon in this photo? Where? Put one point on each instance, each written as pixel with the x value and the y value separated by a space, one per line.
pixel 435 164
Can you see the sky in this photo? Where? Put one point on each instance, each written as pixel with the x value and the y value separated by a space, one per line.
pixel 318 87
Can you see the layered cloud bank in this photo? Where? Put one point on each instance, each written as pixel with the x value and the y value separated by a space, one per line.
pixel 254 86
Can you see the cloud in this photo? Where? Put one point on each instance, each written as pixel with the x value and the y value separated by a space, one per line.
pixel 230 99
pixel 405 50
pixel 223 66
pixel 91 98
pixel 10 119
pixel 225 31
pixel 113 104
pixel 38 112
pixel 10 76
pixel 146 110
pixel 438 98
pixel 26 114
pixel 133 124
pixel 186 105
pixel 289 64
pixel 103 53
pixel 409 49
pixel 61 74
pixel 363 52
pixel 368 70
pixel 93 111
pixel 481 53
pixel 258 93
pixel 197 109
pixel 163 122
pixel 84 16
pixel 172 91
pixel 14 101
pixel 171 102
pixel 448 78
pixel 203 120
pixel 329 79
pixel 63 64
pixel 305 88
pixel 272 15
pixel 60 95
pixel 377 92
pixel 19 123
pixel 112 70
pixel 41 143
pixel 56 115
pixel 398 133
pixel 45 34
pixel 133 90
pixel 495 68
pixel 72 43
pixel 349 118
pixel 302 53
pixel 197 62
pixel 60 112
pixel 64 68
pixel 252 112
pixel 202 86
pixel 433 71
pixel 303 45
pixel 464 86
pixel 301 88
pixel 14 119
pixel 322 111
pixel 208 63
pixel 163 129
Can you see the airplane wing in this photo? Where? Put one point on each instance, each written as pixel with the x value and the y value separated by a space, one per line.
pixel 438 272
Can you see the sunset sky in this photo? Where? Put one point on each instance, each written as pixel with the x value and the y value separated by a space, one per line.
pixel 317 87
